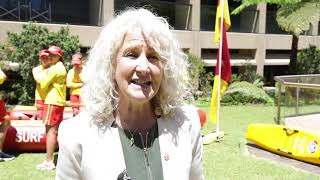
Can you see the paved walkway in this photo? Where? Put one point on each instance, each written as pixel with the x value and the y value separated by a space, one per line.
pixel 282 159
pixel 312 122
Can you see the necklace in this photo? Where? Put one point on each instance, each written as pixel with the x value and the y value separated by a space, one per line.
pixel 131 139
pixel 146 158
pixel 131 135
pixel 146 144
pixel 126 128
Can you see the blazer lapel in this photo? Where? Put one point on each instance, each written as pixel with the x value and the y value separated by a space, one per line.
pixel 174 149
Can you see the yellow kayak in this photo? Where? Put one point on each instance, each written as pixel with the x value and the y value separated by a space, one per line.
pixel 295 143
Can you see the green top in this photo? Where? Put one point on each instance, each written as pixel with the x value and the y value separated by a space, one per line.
pixel 142 154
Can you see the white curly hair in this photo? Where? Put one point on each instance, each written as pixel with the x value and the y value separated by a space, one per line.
pixel 99 91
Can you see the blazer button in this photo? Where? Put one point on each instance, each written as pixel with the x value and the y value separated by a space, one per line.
pixel 166 157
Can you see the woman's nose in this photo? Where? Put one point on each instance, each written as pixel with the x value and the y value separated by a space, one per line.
pixel 143 64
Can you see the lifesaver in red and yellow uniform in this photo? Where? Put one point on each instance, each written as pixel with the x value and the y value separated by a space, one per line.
pixel 202 116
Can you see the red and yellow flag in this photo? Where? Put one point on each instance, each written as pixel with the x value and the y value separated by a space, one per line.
pixel 225 66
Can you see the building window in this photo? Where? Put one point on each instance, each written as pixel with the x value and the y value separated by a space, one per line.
pixel 177 14
pixel 272 26
pixel 67 12
pixel 246 21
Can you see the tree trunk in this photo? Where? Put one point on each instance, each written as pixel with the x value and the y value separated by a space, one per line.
pixel 293 54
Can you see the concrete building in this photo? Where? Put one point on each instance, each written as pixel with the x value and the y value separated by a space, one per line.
pixel 254 36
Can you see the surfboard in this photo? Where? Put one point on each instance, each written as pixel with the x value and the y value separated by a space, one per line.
pixel 293 142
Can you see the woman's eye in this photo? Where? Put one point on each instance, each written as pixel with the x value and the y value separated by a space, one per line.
pixel 131 55
pixel 153 58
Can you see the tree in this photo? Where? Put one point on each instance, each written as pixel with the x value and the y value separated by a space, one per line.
pixel 308 61
pixel 294 17
pixel 24 47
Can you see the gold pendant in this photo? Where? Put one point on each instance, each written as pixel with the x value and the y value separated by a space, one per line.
pixel 132 141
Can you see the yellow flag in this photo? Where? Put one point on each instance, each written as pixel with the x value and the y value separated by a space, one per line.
pixel 226 18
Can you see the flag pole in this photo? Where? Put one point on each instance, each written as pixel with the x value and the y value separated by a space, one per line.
pixel 218 135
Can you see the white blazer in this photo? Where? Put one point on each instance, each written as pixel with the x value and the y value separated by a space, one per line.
pixel 91 153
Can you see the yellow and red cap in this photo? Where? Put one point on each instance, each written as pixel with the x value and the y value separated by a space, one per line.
pixel 44 53
pixel 55 50
pixel 76 59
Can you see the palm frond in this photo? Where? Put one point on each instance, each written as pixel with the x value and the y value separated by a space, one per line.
pixel 296 18
pixel 247 3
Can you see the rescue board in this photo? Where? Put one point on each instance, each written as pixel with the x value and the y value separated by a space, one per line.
pixel 26 136
pixel 293 142
pixel 27 112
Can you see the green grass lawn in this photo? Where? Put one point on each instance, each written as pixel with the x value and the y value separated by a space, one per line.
pixel 226 160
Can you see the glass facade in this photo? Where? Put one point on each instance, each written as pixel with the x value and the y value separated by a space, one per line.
pixel 245 22
pixel 177 14
pixel 71 11
pixel 272 26
pixel 76 12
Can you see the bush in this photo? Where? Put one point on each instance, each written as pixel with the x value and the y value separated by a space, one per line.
pixel 200 79
pixel 24 48
pixel 245 93
pixel 203 101
pixel 248 73
pixel 308 61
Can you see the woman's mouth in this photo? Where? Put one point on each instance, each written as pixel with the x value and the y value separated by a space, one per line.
pixel 141 82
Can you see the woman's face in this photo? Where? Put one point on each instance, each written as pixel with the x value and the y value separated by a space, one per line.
pixel 45 61
pixel 139 70
pixel 54 58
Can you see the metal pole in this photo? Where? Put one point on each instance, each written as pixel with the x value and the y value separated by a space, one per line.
pixel 100 23
pixel 297 99
pixel 220 65
pixel 279 102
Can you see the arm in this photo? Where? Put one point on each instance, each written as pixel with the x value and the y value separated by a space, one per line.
pixel 38 75
pixel 74 85
pixel 82 77
pixel 49 78
pixel 71 84
pixel 69 158
pixel 196 172
pixel 3 76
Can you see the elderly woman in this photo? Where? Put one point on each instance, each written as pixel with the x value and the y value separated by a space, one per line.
pixel 134 125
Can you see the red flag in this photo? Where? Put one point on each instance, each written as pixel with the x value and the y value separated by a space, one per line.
pixel 226 66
